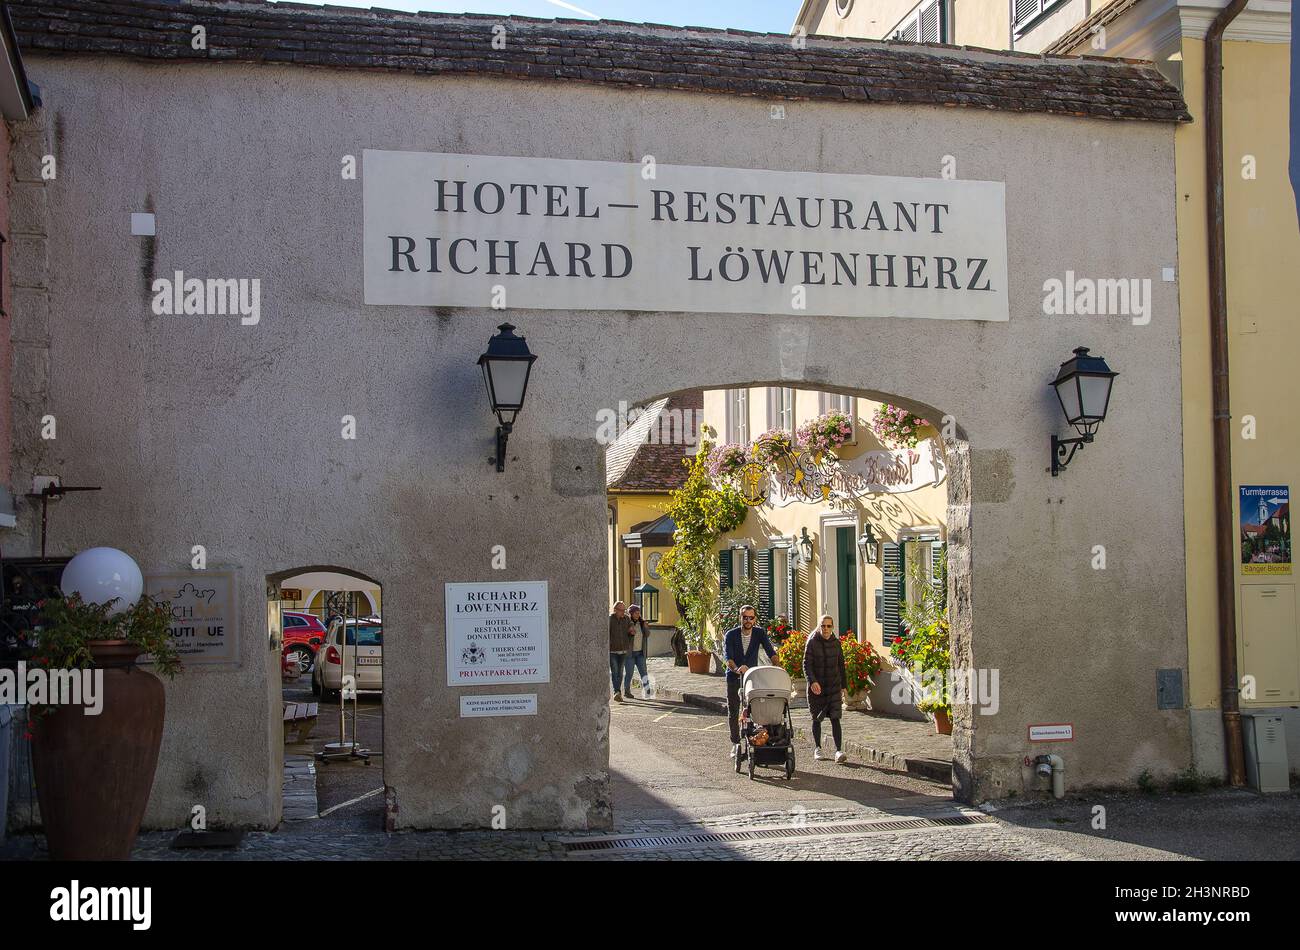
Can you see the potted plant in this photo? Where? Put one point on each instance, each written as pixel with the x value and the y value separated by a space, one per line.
pixel 726 462
pixel 772 446
pixel 861 665
pixel 942 712
pixel 826 432
pixel 927 647
pixel 778 630
pixel 94 772
pixel 897 427
pixel 790 658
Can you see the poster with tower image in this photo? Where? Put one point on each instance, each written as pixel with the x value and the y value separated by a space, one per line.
pixel 1265 529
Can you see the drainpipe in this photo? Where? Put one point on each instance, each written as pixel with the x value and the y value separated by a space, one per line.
pixel 1225 534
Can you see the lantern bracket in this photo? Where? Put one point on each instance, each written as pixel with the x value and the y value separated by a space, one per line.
pixel 1060 457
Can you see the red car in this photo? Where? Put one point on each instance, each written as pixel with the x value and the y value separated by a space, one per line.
pixel 303 635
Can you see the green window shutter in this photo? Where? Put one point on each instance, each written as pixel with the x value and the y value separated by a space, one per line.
pixel 891 564
pixel 724 570
pixel 938 576
pixel 792 585
pixel 763 564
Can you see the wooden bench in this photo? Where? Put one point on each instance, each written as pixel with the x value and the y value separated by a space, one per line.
pixel 299 718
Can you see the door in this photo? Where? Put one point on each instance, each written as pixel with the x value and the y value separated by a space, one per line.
pixel 846 578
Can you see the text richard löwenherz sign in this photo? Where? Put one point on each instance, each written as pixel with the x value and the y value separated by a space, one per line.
pixel 557 234
pixel 498 633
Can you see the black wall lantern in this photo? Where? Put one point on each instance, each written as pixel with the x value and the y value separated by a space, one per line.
pixel 806 547
pixel 867 544
pixel 1083 387
pixel 647 598
pixel 506 366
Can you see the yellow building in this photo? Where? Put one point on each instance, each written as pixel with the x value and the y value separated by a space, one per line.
pixel 643 464
pixel 850 551
pixel 1259 451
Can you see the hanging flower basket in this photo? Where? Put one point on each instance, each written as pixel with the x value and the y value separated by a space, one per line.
pixel 826 432
pixel 772 446
pixel 896 427
pixel 726 462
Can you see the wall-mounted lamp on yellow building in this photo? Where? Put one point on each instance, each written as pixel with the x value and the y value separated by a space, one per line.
pixel 1083 388
pixel 867 544
pixel 506 366
pixel 806 546
pixel 647 598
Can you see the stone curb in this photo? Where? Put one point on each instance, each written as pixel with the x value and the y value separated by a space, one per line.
pixel 933 769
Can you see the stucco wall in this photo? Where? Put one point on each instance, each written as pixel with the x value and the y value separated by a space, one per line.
pixel 203 431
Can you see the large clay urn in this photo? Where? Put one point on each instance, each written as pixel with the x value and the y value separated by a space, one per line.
pixel 94 773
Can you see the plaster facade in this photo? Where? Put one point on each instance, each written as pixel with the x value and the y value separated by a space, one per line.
pixel 205 431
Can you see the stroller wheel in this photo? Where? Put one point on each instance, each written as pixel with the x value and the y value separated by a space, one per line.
pixel 789 765
pixel 751 767
pixel 740 755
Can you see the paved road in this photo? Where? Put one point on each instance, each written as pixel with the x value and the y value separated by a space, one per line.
pixel 670 761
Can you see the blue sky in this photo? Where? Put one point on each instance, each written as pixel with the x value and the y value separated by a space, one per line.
pixel 765 16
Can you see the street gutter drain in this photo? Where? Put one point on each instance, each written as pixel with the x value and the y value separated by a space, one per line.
pixel 652 842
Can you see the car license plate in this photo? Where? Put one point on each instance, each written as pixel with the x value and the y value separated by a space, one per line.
pixel 368 661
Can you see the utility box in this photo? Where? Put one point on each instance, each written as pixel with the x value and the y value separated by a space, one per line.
pixel 1266 761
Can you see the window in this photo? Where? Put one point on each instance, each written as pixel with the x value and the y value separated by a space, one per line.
pixel 1024 12
pixel 842 7
pixel 780 409
pixel 927 22
pixel 738 416
pixel 833 402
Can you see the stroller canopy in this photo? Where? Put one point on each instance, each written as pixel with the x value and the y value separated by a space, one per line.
pixel 763 681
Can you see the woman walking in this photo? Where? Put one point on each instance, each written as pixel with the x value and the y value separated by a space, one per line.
pixel 823 665
pixel 636 650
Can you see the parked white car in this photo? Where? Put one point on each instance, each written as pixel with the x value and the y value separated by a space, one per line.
pixel 361 656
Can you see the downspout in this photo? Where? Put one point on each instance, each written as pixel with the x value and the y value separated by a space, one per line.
pixel 1222 421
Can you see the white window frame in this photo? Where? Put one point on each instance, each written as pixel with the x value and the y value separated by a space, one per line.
pixel 828 524
pixel 945 18
pixel 930 533
pixel 1041 8
pixel 828 402
pixel 738 416
pixel 782 576
pixel 780 413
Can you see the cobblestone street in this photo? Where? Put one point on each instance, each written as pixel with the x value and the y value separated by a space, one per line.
pixel 677 796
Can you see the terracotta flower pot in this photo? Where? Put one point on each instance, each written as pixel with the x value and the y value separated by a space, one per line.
pixel 94 773
pixel 942 723
pixel 697 661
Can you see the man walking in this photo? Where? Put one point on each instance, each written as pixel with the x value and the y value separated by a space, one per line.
pixel 620 635
pixel 823 665
pixel 740 647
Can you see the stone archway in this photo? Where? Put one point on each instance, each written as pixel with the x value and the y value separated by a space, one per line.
pixel 959 548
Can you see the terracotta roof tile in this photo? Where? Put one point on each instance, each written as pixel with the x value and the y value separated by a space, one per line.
pixel 648 457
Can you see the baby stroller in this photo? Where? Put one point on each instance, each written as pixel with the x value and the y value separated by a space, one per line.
pixel 765 729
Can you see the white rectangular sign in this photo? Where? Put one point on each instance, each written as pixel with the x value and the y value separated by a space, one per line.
pixel 558 234
pixel 1052 732
pixel 203 628
pixel 498 632
pixel 521 704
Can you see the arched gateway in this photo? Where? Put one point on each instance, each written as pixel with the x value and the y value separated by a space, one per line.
pixel 279 362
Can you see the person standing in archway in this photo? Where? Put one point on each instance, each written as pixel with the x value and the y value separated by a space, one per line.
pixel 635 650
pixel 620 637
pixel 823 666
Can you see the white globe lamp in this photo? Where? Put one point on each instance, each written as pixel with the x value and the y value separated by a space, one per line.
pixel 103 574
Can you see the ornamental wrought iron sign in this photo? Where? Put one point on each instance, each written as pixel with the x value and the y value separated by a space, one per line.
pixel 793 473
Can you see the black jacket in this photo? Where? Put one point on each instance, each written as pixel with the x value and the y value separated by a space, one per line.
pixel 823 662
